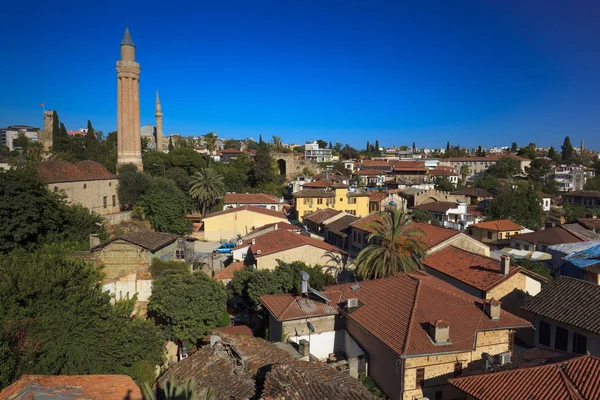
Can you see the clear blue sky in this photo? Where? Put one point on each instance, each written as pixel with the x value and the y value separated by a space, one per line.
pixel 472 72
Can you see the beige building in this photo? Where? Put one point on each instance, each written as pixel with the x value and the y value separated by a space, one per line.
pixel 478 165
pixel 265 250
pixel 159 126
pixel 129 142
pixel 497 232
pixel 228 224
pixel 410 333
pixel 86 183
pixel 337 197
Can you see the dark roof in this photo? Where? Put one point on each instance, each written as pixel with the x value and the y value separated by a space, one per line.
pixel 581 232
pixel 127 40
pixel 570 301
pixel 305 193
pixel 437 206
pixel 398 310
pixel 150 240
pixel 341 226
pixel 473 192
pixel 321 215
pixel 249 208
pixel 234 367
pixel 89 387
pixel 556 235
pixel 574 379
pixel 55 171
pixel 590 223
pixel 250 198
pixel 595 268
pixel 583 193
pixel 480 272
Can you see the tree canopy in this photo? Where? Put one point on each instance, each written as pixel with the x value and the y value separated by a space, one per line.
pixel 165 206
pixel 56 319
pixel 206 189
pixel 523 206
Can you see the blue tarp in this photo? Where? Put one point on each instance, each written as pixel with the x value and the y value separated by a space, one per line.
pixel 574 262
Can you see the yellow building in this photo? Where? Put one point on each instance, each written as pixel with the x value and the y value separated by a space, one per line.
pixel 337 197
pixel 494 232
pixel 227 225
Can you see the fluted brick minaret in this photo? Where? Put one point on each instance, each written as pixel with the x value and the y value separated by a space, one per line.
pixel 129 145
pixel 159 131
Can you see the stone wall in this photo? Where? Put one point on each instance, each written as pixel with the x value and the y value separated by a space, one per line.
pixel 98 196
pixel 295 164
pixel 309 254
pixel 433 195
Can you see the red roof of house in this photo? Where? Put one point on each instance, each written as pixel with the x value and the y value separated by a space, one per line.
pixel 281 240
pixel 369 172
pixel 93 387
pixel 398 311
pixel 278 225
pixel 228 272
pixel 576 379
pixel 499 225
pixel 231 151
pixel 54 171
pixel 437 206
pixel 377 196
pixel 325 183
pixel 321 215
pixel 443 172
pixel 556 235
pixel 250 198
pixel 433 235
pixel 249 208
pixel 475 270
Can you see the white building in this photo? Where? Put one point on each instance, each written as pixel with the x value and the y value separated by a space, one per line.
pixel 8 135
pixel 571 178
pixel 314 153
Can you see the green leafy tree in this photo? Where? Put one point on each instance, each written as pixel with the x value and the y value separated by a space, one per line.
pixel 171 146
pixel 567 151
pixel 158 267
pixel 522 206
pixel 574 212
pixel 593 183
pixel 414 148
pixel 132 185
pixel 464 172
pixel 505 168
pixel 537 267
pixel 165 206
pixel 206 188
pixel 421 216
pixel 278 143
pixel 514 147
pixel 187 306
pixel 31 215
pixel 442 183
pixel 264 173
pixel 90 137
pixel 395 247
pixel 539 170
pixel 553 154
pixel 485 181
pixel 210 142
pixel 322 144
pixel 186 158
pixel 236 174
pixel 529 151
pixel 232 144
pixel 57 319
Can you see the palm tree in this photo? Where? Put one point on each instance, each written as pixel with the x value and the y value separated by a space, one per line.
pixel 210 141
pixel 206 187
pixel 277 143
pixel 464 172
pixel 396 247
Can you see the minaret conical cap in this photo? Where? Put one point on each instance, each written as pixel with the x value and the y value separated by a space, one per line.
pixel 127 40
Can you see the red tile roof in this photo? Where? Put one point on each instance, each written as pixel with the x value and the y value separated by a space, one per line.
pixel 321 215
pixel 55 171
pixel 475 270
pixel 278 225
pixel 433 235
pixel 443 172
pixel 377 196
pixel 576 379
pixel 228 272
pixel 398 311
pixel 498 225
pixel 369 172
pixel 250 198
pixel 437 206
pixel 248 208
pixel 325 183
pixel 91 387
pixel 280 240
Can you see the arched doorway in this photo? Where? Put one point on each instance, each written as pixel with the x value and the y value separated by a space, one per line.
pixel 282 166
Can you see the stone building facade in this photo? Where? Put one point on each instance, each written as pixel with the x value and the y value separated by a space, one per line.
pixel 86 183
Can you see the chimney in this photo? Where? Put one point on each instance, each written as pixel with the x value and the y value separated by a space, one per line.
pixel 94 240
pixel 493 309
pixel 276 226
pixel 303 347
pixel 504 265
pixel 253 241
pixel 440 331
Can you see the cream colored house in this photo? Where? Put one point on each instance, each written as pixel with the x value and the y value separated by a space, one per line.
pixel 229 224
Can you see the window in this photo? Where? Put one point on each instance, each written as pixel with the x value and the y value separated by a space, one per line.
pixel 489 235
pixel 420 377
pixel 109 184
pixel 114 200
pixel 352 200
pixel 55 189
pixel 544 335
pixel 179 254
pixel 562 339
pixel 354 235
pixel 579 343
pixel 85 185
pixel 305 201
pixel 341 200
pixel 457 369
pixel 319 201
pixel 105 201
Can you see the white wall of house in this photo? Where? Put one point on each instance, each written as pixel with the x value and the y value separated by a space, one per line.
pixel 325 343
pixel 532 286
pixel 129 285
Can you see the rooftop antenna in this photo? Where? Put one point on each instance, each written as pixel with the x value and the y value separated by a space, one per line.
pixel 304 277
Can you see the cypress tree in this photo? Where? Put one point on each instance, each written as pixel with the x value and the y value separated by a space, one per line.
pixel 368 146
pixel 376 146
pixel 90 136
pixel 448 146
pixel 414 148
pixel 171 147
pixel 55 128
pixel 567 153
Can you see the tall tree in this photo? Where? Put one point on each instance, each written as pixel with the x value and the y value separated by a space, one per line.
pixel 395 247
pixel 514 147
pixel 171 147
pixel 206 188
pixel 414 148
pixel 567 153
pixel 165 206
pixel 553 154
pixel 262 171
pixel 465 171
pixel 376 146
pixel 55 128
pixel 447 146
pixel 90 136
pixel 522 206
pixel 277 143
pixel 330 146
pixel 132 185
pixel 368 148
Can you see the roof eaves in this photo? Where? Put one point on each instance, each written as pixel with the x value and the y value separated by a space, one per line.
pixel 412 317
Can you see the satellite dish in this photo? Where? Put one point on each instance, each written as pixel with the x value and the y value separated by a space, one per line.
pixel 311 327
pixel 304 276
pixel 489 360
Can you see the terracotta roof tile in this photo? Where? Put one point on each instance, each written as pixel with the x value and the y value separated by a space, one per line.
pixel 590 223
pixel 475 270
pixel 256 198
pixel 377 196
pixel 315 193
pixel 437 206
pixel 228 272
pixel 89 387
pixel 321 215
pixel 325 183
pixel 55 171
pixel 556 235
pixel 433 235
pixel 398 310
pixel 249 208
pixel 583 193
pixel 498 225
pixel 570 301
pixel 281 240
pixel 576 379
